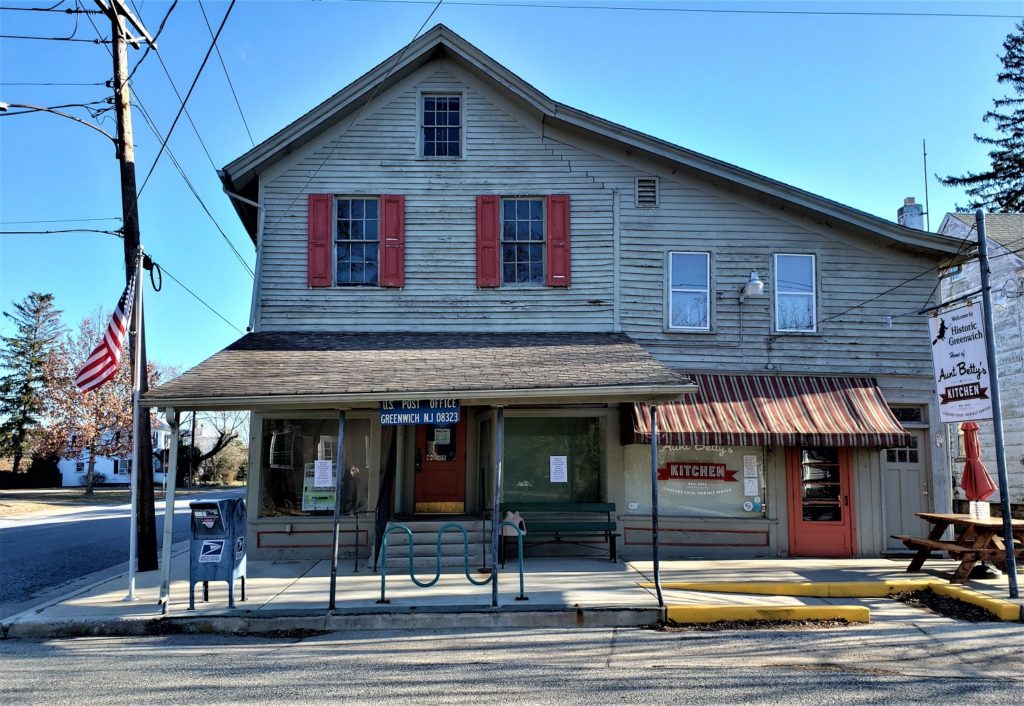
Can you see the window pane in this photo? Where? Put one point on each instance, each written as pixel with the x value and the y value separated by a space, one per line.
pixel 529 446
pixel 795 313
pixel 428 117
pixel 357 230
pixel 370 209
pixel 689 310
pixel 454 147
pixel 536 230
pixel 536 209
pixel 508 272
pixel 536 272
pixel 290 446
pixel 794 273
pixel 428 149
pixel 508 210
pixel 344 208
pixel 689 270
pixel 523 228
pixel 523 209
pixel 428 104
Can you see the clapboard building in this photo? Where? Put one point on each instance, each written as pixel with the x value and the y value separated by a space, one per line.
pixel 441 230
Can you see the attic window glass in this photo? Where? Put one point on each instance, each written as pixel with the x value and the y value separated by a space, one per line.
pixel 689 274
pixel 647 192
pixel 442 126
pixel 522 241
pixel 795 299
pixel 357 242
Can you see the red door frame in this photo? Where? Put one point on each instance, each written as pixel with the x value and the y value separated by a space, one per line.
pixel 795 505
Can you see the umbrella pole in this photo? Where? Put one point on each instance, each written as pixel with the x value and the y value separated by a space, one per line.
pixel 997 415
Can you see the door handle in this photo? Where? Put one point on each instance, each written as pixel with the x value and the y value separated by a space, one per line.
pixel 418 463
pixel 846 501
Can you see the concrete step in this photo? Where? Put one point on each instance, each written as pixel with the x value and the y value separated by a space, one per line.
pixel 401 539
pixel 434 525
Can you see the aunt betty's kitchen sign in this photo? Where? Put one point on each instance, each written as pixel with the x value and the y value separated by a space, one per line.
pixel 961 365
pixel 696 471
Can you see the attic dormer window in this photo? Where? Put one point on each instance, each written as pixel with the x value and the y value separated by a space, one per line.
pixel 442 125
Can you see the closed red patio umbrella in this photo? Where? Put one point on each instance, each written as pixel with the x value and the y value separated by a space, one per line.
pixel 975 481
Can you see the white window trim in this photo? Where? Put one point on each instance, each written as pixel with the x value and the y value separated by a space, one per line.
pixel 669 289
pixel 813 294
pixel 543 243
pixel 419 125
pixel 334 239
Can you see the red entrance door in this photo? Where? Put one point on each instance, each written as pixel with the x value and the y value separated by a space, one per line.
pixel 441 468
pixel 820 506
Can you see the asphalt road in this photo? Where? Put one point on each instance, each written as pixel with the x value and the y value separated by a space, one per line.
pixel 46 555
pixel 956 664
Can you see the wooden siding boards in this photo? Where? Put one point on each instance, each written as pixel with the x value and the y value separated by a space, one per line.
pixel 511 153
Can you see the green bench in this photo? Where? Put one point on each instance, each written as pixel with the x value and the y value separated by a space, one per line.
pixel 567 523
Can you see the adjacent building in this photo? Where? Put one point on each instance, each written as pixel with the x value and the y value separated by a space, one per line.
pixel 1005 234
pixel 441 238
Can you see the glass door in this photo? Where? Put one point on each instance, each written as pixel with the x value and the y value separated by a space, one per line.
pixel 821 514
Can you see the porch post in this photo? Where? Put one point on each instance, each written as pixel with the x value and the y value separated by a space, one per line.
pixel 499 451
pixel 339 478
pixel 171 474
pixel 654 504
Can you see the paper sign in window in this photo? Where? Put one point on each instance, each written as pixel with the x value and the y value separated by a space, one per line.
pixel 559 469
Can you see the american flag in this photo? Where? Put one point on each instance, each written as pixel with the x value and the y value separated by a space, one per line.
pixel 104 360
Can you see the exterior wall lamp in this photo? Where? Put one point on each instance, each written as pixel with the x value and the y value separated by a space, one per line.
pixel 753 288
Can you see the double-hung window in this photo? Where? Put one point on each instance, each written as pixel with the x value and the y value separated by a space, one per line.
pixel 357 241
pixel 689 298
pixel 442 126
pixel 796 307
pixel 522 241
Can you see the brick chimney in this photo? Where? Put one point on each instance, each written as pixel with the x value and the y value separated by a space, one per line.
pixel 910 214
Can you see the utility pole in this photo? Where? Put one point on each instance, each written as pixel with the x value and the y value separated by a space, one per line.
pixel 118 13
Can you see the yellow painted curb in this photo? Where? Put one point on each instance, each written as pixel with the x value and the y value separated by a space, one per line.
pixel 687 614
pixel 823 589
pixel 1005 610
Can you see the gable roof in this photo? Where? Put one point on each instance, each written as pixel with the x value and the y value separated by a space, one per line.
pixel 240 177
pixel 1007 229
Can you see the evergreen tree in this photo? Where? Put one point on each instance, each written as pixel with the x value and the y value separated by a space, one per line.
pixel 1001 188
pixel 23 355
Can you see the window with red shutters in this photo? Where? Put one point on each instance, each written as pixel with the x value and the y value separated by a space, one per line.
pixel 318 258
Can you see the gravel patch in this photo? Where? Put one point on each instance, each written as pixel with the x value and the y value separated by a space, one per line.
pixel 947 606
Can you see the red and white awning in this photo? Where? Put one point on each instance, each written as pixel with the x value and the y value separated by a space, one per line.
pixel 758 410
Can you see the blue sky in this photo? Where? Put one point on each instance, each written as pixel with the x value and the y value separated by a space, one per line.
pixel 837 105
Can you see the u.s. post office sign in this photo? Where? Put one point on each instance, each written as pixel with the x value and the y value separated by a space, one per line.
pixel 439 411
pixel 961 364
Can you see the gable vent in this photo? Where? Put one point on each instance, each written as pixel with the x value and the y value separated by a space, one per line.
pixel 647 192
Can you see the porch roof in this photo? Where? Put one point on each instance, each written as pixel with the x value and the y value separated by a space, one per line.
pixel 300 370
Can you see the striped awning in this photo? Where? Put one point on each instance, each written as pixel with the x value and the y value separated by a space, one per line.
pixel 758 410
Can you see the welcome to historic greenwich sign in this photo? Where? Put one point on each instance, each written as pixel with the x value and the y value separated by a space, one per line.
pixel 439 411
pixel 961 364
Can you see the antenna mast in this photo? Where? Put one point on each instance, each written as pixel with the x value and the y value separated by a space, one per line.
pixel 927 206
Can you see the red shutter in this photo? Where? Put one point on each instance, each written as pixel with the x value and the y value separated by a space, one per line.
pixel 392 241
pixel 318 263
pixel 488 226
pixel 559 262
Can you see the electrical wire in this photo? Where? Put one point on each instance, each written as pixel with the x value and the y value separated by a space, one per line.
pixel 51 8
pixel 151 45
pixel 337 140
pixel 195 80
pixel 61 230
pixel 153 128
pixel 692 10
pixel 164 270
pixel 58 220
pixel 227 75
pixel 56 39
pixel 53 83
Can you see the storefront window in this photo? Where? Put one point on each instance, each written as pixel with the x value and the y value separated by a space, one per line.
pixel 697 481
pixel 288 479
pixel 552 459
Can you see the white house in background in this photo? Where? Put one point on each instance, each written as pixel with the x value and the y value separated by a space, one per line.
pixel 116 471
pixel 1005 234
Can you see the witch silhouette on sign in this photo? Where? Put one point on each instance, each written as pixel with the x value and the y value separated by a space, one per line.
pixel 941 335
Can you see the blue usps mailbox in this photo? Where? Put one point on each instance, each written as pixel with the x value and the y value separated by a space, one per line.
pixel 218 547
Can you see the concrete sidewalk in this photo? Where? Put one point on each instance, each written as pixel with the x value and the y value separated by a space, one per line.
pixel 561 592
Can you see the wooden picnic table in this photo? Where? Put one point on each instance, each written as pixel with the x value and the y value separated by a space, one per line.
pixel 974 540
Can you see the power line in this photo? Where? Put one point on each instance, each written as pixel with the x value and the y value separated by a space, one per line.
pixel 152 45
pixel 195 80
pixel 60 231
pixel 692 10
pixel 54 8
pixel 227 75
pixel 56 39
pixel 199 299
pixel 337 140
pixel 59 220
pixel 53 83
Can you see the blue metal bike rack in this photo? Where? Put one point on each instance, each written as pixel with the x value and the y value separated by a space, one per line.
pixel 437 574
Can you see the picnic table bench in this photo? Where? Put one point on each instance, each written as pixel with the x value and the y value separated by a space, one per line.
pixel 976 539
pixel 568 523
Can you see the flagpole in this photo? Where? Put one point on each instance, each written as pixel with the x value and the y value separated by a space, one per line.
pixel 136 425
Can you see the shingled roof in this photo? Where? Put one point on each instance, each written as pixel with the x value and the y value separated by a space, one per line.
pixel 335 369
pixel 1007 229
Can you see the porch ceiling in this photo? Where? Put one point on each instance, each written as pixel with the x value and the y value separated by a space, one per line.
pixel 331 370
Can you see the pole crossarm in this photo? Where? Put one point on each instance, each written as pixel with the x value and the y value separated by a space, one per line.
pixel 117 7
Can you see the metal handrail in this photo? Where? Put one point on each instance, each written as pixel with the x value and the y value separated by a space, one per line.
pixel 437 574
